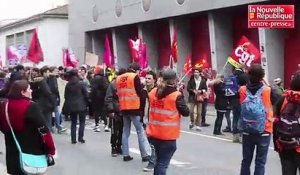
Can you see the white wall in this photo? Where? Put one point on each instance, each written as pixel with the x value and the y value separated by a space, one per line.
pixel 2 48
pixel 53 36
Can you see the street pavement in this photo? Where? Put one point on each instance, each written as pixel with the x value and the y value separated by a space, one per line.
pixel 198 153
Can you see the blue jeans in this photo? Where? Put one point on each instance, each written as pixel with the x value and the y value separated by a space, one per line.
pixel 57 117
pixel 143 142
pixel 74 116
pixel 153 158
pixel 164 152
pixel 261 142
pixel 227 115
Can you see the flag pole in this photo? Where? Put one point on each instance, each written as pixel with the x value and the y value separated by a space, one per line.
pixel 223 69
pixel 185 75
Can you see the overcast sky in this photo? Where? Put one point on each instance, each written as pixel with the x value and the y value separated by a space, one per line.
pixel 10 9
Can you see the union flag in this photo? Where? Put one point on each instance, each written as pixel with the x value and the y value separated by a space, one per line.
pixel 35 52
pixel 188 64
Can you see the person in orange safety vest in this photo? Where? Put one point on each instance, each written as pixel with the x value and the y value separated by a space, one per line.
pixel 132 102
pixel 166 106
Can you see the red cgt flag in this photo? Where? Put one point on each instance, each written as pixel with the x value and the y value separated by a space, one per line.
pixel 35 53
pixel 202 63
pixel 244 54
pixel 188 64
pixel 174 49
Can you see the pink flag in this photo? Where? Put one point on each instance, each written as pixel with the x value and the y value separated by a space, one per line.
pixel 107 57
pixel 139 52
pixel 69 59
pixel 143 56
pixel 11 53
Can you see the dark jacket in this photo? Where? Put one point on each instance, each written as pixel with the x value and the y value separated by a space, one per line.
pixel 192 86
pixel 139 88
pixel 221 101
pixel 180 102
pixel 99 86
pixel 42 95
pixel 277 112
pixel 31 131
pixel 76 96
pixel 111 99
pixel 52 83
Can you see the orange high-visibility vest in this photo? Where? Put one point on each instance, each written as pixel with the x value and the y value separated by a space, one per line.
pixel 164 118
pixel 266 98
pixel 128 98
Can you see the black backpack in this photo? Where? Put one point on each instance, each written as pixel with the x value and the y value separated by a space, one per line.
pixel 288 126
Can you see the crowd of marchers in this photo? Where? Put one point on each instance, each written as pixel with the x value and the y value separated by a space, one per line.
pixel 36 101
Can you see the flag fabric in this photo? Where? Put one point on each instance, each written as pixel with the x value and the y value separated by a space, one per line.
pixel 69 59
pixel 244 54
pixel 203 62
pixel 143 61
pixel 188 64
pixel 1 62
pixel 139 52
pixel 174 49
pixel 22 50
pixel 35 53
pixel 134 48
pixel 12 56
pixel 107 57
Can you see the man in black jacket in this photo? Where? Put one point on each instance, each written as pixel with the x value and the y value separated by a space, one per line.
pixel 116 119
pixel 197 85
pixel 42 94
pixel 99 86
pixel 53 85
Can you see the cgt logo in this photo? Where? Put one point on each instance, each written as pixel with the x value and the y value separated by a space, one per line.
pixel 124 79
pixel 245 58
pixel 158 104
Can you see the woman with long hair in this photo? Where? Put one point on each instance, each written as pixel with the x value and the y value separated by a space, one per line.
pixel 28 124
pixel 166 106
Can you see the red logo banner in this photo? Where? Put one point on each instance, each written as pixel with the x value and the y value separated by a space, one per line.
pixel 244 54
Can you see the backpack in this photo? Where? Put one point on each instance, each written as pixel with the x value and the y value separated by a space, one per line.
pixel 288 126
pixel 231 85
pixel 253 113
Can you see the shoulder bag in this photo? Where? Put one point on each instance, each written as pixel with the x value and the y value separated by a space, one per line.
pixel 29 163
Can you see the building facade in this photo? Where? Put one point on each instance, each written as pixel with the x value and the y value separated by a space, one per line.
pixel 52 28
pixel 206 29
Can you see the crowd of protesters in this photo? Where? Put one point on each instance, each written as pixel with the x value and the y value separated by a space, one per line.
pixel 154 103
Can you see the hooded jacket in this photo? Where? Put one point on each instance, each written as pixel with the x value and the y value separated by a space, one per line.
pixel 292 96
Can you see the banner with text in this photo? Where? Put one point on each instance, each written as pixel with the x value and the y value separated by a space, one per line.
pixel 244 54
pixel 271 16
